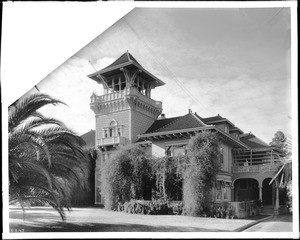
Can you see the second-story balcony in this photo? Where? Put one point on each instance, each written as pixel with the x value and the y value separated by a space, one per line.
pixel 129 91
pixel 255 161
pixel 117 140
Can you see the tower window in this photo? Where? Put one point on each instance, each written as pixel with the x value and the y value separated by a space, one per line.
pixel 119 132
pixel 111 132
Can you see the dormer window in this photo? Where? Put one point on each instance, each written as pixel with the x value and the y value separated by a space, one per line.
pixel 226 128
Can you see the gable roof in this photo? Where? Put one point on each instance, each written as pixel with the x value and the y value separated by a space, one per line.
pixel 176 123
pixel 213 119
pixel 252 141
pixel 89 138
pixel 216 119
pixel 235 129
pixel 160 123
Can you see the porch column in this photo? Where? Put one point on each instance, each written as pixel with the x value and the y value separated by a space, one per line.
pixel 276 208
pixel 260 193
pixel 120 83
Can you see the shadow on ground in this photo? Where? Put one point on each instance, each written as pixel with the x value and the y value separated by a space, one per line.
pixel 101 227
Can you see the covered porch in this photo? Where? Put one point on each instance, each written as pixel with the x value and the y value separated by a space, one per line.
pixel 252 171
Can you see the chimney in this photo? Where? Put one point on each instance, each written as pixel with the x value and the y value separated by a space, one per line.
pixel 162 116
pixel 190 111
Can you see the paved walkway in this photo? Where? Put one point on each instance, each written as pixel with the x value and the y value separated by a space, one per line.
pixel 281 223
pixel 99 220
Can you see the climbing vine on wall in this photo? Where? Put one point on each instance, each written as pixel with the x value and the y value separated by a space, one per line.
pixel 168 172
pixel 200 171
pixel 124 176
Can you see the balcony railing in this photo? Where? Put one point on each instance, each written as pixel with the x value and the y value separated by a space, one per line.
pixel 256 168
pixel 111 141
pixel 249 161
pixel 132 91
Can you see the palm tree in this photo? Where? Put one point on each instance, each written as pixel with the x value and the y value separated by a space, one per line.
pixel 46 161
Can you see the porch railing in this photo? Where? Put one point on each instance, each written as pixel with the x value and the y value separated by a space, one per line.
pixel 254 161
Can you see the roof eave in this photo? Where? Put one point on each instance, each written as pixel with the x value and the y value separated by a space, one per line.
pixel 231 138
pixel 105 70
pixel 160 82
pixel 174 131
pixel 156 80
pixel 220 121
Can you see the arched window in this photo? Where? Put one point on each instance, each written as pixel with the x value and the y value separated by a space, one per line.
pixel 113 123
pixel 112 130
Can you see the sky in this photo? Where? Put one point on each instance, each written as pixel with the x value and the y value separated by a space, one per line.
pixel 233 62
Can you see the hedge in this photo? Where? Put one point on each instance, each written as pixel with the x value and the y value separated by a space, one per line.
pixel 157 207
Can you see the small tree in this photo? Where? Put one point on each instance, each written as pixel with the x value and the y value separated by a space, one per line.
pixel 279 141
pixel 284 173
pixel 202 167
pixel 124 176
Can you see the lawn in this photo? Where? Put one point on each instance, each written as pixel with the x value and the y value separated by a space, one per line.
pixel 43 219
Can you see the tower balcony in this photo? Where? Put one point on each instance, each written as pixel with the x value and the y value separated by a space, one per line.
pixel 122 94
pixel 117 140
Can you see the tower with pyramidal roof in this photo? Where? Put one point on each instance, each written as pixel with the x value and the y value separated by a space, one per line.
pixel 126 108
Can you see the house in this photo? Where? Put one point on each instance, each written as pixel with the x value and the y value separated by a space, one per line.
pixel 127 114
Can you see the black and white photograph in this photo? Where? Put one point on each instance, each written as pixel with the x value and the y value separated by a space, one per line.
pixel 150 120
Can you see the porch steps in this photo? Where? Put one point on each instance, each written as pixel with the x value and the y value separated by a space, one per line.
pixel 267 210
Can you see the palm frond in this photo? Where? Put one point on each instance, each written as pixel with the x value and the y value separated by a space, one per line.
pixel 24 108
pixel 46 159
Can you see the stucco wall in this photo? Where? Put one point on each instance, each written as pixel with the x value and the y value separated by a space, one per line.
pixel 226 157
pixel 140 123
pixel 158 148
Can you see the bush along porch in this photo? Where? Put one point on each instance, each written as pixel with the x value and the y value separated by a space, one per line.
pixel 134 182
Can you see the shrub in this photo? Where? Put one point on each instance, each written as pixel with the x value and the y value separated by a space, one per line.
pixel 156 207
pixel 200 172
pixel 124 176
pixel 221 210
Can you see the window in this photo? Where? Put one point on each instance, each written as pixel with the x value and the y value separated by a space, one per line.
pixel 168 151
pixel 119 132
pixel 226 129
pixel 218 184
pixel 111 132
pixel 219 190
pixel 221 156
pixel 179 151
pixel 176 150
